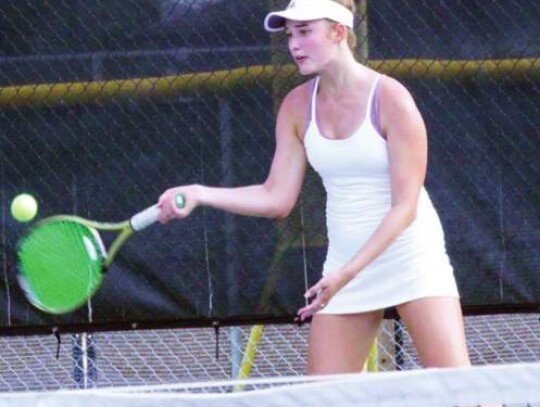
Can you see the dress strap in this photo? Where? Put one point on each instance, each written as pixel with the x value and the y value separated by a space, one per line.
pixel 314 84
pixel 314 97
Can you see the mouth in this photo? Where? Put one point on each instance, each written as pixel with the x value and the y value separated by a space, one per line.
pixel 300 59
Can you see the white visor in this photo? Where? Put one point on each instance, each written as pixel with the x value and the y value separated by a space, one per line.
pixel 307 10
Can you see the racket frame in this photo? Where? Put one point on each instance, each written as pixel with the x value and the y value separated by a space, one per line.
pixel 126 228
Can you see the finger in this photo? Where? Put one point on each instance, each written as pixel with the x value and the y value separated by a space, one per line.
pixel 161 202
pixel 305 313
pixel 167 212
pixel 310 310
pixel 313 307
pixel 164 214
pixel 304 309
pixel 162 218
pixel 313 291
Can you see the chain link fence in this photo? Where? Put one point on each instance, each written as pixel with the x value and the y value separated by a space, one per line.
pixel 131 358
pixel 103 105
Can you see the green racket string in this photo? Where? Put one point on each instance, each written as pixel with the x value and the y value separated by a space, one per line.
pixel 60 264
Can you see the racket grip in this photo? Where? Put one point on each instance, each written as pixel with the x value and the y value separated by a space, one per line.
pixel 145 218
pixel 150 215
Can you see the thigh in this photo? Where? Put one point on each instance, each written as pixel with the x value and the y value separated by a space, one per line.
pixel 341 343
pixel 437 330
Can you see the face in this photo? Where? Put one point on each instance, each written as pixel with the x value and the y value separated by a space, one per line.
pixel 309 44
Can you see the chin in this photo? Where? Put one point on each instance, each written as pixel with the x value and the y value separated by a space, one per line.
pixel 304 70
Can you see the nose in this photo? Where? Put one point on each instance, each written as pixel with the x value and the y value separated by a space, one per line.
pixel 293 44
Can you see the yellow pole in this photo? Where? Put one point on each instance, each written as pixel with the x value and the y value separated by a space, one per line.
pixel 223 82
pixel 250 352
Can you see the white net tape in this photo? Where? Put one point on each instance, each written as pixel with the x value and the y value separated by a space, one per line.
pixel 511 385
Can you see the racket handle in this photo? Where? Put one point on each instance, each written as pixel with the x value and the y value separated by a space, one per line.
pixel 145 218
pixel 150 215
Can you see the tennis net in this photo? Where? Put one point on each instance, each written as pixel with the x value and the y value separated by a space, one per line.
pixel 502 385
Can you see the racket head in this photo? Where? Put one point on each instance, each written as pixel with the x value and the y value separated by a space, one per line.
pixel 60 264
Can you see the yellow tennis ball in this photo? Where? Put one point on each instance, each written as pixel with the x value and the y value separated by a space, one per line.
pixel 24 207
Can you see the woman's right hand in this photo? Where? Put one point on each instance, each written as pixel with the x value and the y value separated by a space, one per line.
pixel 168 202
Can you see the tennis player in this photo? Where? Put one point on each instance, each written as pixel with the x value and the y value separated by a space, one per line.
pixel 363 133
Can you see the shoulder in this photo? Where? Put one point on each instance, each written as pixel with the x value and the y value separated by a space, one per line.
pixel 299 94
pixel 396 103
pixel 394 95
pixel 295 106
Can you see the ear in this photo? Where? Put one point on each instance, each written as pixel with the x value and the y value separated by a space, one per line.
pixel 339 32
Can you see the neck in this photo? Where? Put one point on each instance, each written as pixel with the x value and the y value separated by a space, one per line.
pixel 342 72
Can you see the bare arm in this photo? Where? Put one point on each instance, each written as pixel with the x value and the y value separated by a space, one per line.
pixel 407 152
pixel 274 198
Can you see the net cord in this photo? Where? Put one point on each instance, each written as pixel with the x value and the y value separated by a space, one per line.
pixel 509 384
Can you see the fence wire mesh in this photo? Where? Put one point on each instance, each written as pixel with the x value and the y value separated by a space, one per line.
pixel 131 358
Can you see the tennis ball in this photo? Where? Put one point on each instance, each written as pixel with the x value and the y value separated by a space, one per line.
pixel 24 207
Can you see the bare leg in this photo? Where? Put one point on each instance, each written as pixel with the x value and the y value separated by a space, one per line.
pixel 341 343
pixel 436 328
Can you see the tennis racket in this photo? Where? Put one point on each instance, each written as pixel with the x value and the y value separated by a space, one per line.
pixel 62 259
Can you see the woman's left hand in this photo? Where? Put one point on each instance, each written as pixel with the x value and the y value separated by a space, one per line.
pixel 322 292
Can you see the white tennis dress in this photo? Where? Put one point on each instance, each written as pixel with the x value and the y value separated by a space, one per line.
pixel 355 174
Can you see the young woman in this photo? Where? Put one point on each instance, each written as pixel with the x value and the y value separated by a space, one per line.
pixel 364 135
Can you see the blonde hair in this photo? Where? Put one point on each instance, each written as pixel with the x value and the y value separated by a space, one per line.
pixel 351 36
